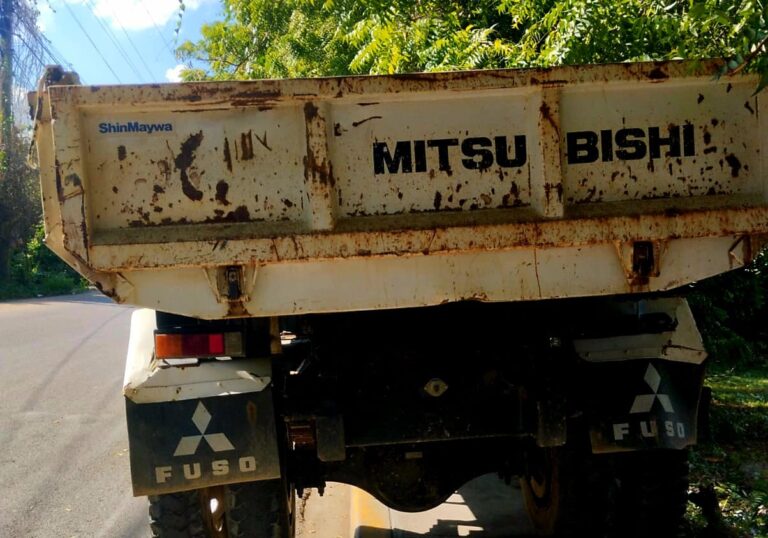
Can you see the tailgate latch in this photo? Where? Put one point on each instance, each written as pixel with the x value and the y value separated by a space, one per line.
pixel 231 283
pixel 233 277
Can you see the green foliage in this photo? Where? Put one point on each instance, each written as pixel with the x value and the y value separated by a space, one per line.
pixel 19 201
pixel 35 270
pixel 731 310
pixel 299 38
pixel 739 405
pixel 733 461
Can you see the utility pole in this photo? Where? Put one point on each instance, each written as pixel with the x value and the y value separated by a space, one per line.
pixel 6 74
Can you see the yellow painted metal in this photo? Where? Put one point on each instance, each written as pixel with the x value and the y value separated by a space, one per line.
pixel 278 197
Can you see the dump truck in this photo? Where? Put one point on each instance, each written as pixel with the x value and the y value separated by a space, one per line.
pixel 404 282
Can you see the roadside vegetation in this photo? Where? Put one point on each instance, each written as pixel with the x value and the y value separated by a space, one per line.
pixel 729 467
pixel 27 267
pixel 36 271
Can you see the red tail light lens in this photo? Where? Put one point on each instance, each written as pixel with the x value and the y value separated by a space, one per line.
pixel 179 346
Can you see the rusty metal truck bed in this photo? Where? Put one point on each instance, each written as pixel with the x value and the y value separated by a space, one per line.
pixel 275 197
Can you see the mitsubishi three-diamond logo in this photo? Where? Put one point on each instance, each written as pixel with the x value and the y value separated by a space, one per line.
pixel 667 432
pixel 644 402
pixel 189 444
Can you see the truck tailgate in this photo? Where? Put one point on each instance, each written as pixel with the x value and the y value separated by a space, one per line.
pixel 227 199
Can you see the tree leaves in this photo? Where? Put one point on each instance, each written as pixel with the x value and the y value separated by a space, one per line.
pixel 298 38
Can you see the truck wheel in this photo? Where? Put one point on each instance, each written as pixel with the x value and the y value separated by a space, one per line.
pixel 569 492
pixel 256 509
pixel 654 493
pixel 177 515
pixel 253 509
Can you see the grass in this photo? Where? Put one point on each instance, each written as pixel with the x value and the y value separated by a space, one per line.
pixel 733 461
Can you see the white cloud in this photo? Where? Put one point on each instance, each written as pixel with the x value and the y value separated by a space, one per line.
pixel 45 19
pixel 135 14
pixel 174 73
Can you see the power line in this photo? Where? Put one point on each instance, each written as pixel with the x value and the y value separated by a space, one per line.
pixel 114 41
pixel 152 19
pixel 47 50
pixel 55 54
pixel 72 13
pixel 136 50
pixel 28 21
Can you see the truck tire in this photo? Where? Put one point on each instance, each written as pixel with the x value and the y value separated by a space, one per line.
pixel 264 509
pixel 256 509
pixel 177 515
pixel 569 492
pixel 654 493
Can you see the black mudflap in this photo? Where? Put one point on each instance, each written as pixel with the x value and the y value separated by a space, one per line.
pixel 642 404
pixel 191 444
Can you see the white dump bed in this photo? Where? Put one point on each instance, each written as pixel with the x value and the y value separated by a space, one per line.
pixel 276 197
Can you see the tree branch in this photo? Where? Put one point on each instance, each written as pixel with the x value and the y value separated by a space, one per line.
pixel 750 57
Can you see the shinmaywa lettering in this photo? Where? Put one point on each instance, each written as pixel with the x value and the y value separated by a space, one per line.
pixel 134 127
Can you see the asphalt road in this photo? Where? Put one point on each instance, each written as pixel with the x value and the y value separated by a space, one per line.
pixel 64 450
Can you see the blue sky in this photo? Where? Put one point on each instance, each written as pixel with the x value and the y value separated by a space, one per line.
pixel 131 41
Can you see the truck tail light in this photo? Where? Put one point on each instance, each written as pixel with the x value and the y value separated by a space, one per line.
pixel 195 345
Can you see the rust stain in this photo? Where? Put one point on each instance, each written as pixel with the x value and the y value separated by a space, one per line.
pixel 59 185
pixel 165 169
pixel 251 413
pixel 734 163
pixel 184 160
pixel 240 214
pixel 83 224
pixel 263 141
pixel 246 146
pixel 190 98
pixel 658 74
pixel 157 190
pixel 358 123
pixel 546 114
pixel 227 154
pixel 322 170
pixel 109 292
pixel 557 187
pixel 222 188
pixel 237 310
pixel 259 95
pixel 438 200
pixel 74 180
pixel 310 111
